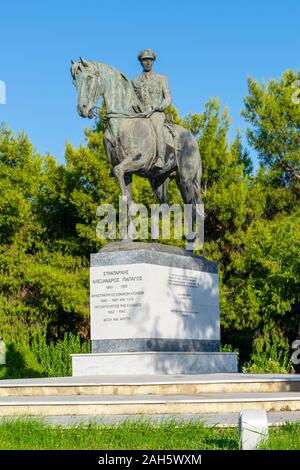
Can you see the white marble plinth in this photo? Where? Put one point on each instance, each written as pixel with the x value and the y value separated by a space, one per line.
pixel 154 310
pixel 150 363
pixel 144 300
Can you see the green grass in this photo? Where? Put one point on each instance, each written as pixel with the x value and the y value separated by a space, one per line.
pixel 34 434
pixel 285 437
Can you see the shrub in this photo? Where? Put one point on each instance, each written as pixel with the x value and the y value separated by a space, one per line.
pixel 42 359
pixel 228 348
pixel 274 361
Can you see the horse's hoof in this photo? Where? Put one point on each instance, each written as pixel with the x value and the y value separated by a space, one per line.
pixel 132 209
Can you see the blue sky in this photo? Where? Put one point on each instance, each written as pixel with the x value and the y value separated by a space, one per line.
pixel 207 49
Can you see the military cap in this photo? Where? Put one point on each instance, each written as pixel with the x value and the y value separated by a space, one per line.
pixel 146 54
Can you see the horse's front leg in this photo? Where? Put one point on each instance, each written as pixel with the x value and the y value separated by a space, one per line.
pixel 123 173
pixel 125 181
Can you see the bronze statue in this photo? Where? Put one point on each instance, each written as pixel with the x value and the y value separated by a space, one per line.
pixel 136 128
pixel 154 94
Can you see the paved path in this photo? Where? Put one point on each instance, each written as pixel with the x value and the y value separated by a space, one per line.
pixel 218 420
pixel 132 399
pixel 150 379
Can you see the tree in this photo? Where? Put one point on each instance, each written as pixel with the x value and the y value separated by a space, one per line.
pixel 251 221
pixel 272 268
pixel 273 110
pixel 43 290
pixel 261 294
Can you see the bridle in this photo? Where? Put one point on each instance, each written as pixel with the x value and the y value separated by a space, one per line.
pixel 113 114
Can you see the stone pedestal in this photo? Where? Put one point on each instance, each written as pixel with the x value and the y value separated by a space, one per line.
pixel 154 309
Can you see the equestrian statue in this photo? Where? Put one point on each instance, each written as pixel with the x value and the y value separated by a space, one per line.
pixel 137 138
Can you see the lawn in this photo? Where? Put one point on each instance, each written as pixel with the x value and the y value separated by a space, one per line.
pixel 35 434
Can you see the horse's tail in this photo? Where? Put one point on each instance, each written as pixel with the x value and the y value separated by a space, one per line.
pixel 189 166
pixel 196 185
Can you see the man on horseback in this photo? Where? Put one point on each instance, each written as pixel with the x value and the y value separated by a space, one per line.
pixel 134 147
pixel 154 94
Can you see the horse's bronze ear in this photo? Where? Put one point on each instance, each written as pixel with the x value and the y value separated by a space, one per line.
pixel 74 68
pixel 84 62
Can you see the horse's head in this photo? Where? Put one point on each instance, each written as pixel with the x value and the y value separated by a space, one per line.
pixel 87 81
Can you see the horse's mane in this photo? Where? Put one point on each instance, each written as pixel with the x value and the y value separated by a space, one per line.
pixel 135 102
pixel 95 66
pixel 111 68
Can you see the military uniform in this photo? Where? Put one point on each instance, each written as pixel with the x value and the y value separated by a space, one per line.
pixel 154 93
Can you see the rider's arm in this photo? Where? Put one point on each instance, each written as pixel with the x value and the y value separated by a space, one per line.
pixel 167 98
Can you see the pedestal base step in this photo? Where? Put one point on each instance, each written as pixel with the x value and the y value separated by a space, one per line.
pixel 136 385
pixel 147 405
pixel 151 363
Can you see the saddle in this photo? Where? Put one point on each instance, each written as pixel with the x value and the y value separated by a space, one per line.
pixel 171 141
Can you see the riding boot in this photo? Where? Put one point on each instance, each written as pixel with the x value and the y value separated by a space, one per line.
pixel 159 163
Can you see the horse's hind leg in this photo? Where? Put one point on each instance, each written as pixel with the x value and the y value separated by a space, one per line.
pixel 189 197
pixel 185 190
pixel 160 188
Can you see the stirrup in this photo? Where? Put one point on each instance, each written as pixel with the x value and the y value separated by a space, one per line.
pixel 159 164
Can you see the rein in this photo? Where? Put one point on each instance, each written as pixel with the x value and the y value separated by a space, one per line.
pixel 129 116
